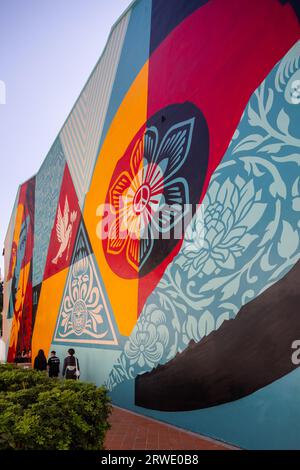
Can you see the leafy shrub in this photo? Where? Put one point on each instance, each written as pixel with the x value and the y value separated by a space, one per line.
pixel 41 413
pixel 13 378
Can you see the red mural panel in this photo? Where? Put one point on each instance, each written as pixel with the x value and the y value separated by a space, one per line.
pixel 227 69
pixel 65 227
pixel 26 323
pixel 212 60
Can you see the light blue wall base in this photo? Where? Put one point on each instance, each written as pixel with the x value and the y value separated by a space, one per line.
pixel 267 419
pixel 92 369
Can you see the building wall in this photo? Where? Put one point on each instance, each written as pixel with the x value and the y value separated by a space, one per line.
pixel 186 311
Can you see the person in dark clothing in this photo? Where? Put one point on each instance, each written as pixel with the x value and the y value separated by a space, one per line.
pixel 53 365
pixel 18 357
pixel 40 362
pixel 71 366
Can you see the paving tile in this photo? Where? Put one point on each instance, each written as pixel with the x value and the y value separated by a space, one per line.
pixel 130 431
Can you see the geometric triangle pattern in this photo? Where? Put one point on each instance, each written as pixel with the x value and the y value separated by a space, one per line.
pixel 85 317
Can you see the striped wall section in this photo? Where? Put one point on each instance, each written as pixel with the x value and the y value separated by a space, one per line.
pixel 81 134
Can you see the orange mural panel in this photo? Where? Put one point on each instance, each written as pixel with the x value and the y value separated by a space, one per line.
pixel 48 307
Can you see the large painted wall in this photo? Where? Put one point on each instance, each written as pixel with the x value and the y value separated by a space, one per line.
pixel 186 311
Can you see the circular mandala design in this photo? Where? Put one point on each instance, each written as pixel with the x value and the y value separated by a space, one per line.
pixel 155 186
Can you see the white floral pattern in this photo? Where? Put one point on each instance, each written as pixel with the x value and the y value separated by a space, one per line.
pixel 216 239
pixel 149 338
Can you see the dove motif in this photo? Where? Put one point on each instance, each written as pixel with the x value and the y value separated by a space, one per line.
pixel 64 227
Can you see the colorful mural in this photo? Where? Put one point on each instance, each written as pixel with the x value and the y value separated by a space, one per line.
pixel 20 272
pixel 160 237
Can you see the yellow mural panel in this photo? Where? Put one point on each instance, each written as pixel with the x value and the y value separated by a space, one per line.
pixel 49 302
pixel 131 115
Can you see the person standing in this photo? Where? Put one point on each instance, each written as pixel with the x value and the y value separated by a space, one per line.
pixel 71 366
pixel 40 362
pixel 24 356
pixel 53 365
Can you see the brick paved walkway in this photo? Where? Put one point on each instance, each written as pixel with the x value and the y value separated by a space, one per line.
pixel 131 431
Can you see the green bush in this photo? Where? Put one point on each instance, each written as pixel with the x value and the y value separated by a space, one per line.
pixel 41 413
pixel 13 378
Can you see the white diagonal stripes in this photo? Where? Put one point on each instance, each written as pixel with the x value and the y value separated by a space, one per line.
pixel 81 133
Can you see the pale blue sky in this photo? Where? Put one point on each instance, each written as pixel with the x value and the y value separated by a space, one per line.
pixel 48 49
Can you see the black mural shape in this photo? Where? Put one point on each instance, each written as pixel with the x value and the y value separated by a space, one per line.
pixel 36 291
pixel 175 11
pixel 242 356
pixel 295 5
pixel 82 246
pixel 193 171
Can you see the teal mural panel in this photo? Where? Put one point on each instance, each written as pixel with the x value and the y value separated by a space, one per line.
pixel 255 422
